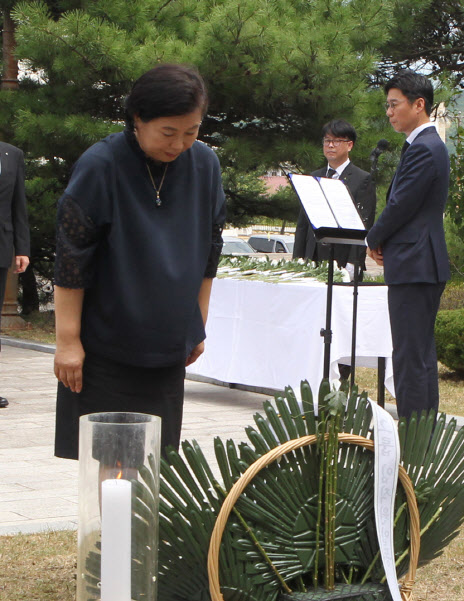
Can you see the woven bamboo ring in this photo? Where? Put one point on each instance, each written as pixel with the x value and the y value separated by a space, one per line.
pixel 276 453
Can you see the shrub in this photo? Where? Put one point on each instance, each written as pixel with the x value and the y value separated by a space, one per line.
pixel 449 339
pixel 453 296
pixel 454 235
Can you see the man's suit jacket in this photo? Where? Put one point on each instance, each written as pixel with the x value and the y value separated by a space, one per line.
pixel 410 229
pixel 362 189
pixel 14 230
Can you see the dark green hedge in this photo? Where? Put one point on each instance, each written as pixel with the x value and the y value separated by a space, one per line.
pixel 449 339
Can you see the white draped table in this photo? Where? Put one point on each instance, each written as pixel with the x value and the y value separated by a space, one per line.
pixel 268 334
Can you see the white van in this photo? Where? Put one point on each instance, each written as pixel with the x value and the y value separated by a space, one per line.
pixel 272 243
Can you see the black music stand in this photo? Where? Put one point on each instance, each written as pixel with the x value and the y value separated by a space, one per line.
pixel 380 360
pixel 326 332
pixel 334 218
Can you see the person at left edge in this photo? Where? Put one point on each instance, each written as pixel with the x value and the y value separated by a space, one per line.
pixel 14 228
pixel 138 243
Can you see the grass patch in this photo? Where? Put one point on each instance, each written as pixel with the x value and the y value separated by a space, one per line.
pixel 42 567
pixel 451 387
pixel 38 567
pixel 442 578
pixel 40 327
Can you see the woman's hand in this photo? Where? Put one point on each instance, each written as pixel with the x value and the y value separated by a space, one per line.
pixel 69 356
pixel 203 302
pixel 196 352
pixel 69 359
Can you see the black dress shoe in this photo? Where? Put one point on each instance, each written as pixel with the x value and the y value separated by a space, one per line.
pixel 3 402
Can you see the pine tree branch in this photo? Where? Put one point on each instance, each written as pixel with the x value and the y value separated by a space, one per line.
pixel 434 51
pixel 73 49
pixel 164 6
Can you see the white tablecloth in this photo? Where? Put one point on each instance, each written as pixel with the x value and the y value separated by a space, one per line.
pixel 268 335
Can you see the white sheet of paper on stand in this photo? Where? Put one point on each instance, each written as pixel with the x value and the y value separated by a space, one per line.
pixel 342 204
pixel 313 200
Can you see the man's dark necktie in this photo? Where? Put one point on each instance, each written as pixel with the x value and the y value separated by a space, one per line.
pixel 330 172
pixel 406 145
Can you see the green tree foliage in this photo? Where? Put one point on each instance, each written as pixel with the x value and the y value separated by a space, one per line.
pixel 426 34
pixel 454 220
pixel 270 68
pixel 455 208
pixel 276 71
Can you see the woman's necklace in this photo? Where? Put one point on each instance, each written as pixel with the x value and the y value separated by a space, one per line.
pixel 157 190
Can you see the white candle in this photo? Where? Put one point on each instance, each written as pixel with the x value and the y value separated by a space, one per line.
pixel 116 540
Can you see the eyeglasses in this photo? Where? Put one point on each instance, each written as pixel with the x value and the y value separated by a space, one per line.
pixel 393 104
pixel 335 143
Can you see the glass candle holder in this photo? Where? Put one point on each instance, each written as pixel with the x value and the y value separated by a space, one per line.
pixel 119 457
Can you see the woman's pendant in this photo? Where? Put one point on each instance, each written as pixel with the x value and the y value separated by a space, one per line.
pixel 157 190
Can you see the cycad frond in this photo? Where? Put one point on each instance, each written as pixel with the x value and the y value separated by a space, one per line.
pixel 270 535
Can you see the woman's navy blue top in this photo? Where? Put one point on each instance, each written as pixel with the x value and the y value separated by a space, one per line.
pixel 141 265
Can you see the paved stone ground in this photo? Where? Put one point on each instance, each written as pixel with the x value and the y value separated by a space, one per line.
pixel 39 491
pixel 372 268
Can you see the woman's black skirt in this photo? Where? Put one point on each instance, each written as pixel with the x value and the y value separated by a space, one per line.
pixel 111 386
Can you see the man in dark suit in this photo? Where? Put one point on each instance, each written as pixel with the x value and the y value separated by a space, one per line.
pixel 409 240
pixel 14 230
pixel 338 139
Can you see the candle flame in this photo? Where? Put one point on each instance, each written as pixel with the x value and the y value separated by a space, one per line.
pixel 119 476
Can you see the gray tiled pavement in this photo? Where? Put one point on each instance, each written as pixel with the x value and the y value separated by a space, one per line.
pixel 39 491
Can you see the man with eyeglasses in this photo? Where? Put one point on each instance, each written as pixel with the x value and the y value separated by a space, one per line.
pixel 408 239
pixel 338 139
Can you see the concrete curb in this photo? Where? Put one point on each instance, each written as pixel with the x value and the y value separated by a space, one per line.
pixel 35 528
pixel 28 344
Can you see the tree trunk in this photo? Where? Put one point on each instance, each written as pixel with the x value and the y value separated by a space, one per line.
pixel 10 64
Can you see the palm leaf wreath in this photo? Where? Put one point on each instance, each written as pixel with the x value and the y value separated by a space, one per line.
pixel 306 522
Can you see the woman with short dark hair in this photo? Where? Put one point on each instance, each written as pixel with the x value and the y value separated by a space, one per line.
pixel 138 243
pixel 164 91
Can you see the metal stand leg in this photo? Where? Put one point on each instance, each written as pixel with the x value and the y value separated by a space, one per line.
pixel 327 332
pixel 355 317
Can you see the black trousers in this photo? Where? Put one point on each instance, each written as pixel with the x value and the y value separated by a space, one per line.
pixel 109 386
pixel 3 276
pixel 413 309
